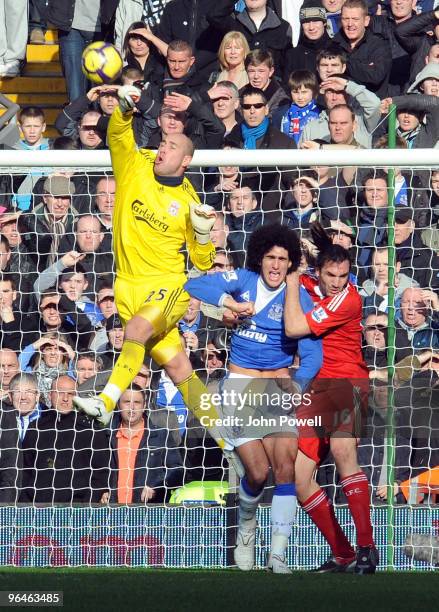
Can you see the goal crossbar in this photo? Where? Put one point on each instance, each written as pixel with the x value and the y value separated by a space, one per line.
pixel 236 157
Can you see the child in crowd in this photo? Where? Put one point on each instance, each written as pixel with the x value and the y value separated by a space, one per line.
pixel 32 123
pixel 304 88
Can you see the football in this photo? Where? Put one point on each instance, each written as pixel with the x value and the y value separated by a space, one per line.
pixel 101 62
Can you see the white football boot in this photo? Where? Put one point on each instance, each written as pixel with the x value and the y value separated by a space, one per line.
pixel 244 553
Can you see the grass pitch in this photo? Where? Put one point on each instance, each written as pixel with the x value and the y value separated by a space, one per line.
pixel 129 590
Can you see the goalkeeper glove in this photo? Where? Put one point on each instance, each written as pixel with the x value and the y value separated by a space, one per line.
pixel 202 219
pixel 128 98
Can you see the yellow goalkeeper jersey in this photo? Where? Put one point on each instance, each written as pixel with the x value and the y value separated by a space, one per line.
pixel 151 221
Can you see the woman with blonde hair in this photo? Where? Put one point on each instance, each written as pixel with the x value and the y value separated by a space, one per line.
pixel 231 55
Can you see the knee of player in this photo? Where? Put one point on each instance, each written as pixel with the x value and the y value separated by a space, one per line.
pixel 343 451
pixel 284 473
pixel 257 476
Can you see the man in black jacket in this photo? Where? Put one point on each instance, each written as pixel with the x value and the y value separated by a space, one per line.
pixel 260 25
pixel 369 56
pixel 187 20
pixel 17 328
pixel 181 73
pixel 50 221
pixel 242 220
pixel 375 340
pixel 92 246
pixel 138 436
pixel 313 38
pixel 19 414
pixel 24 276
pixel 386 26
pixel 65 458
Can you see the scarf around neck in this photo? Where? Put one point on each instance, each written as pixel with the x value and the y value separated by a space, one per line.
pixel 296 118
pixel 251 135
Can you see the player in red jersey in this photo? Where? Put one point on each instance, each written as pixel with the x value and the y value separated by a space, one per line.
pixel 339 396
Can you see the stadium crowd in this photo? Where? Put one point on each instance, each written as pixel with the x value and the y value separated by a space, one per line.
pixel 251 74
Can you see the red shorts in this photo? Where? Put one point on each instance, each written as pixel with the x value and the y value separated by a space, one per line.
pixel 315 448
pixel 336 405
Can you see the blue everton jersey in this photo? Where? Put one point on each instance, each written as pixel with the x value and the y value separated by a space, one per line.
pixel 260 342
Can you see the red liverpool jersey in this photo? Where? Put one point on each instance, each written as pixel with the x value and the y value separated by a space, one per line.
pixel 337 319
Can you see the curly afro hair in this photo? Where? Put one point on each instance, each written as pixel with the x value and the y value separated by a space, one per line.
pixel 265 238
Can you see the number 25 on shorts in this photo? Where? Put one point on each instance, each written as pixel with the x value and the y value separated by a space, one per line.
pixel 156 296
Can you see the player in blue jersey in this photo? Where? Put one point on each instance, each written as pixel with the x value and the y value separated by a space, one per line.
pixel 260 355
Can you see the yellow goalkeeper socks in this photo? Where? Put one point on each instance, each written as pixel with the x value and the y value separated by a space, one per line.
pixel 197 398
pixel 126 369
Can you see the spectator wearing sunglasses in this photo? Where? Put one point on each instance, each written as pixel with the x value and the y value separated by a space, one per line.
pixel 257 132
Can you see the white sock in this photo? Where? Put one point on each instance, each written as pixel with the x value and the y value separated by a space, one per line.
pixel 283 514
pixel 248 504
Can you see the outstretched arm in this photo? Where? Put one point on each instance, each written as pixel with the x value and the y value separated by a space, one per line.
pixel 123 149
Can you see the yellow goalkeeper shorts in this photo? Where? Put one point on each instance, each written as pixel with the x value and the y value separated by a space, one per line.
pixel 160 302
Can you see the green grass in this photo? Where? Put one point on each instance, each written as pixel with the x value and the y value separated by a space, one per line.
pixel 129 590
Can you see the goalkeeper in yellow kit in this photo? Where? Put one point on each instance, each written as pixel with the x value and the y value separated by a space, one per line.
pixel 156 213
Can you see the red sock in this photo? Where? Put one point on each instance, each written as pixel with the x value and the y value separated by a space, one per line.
pixel 321 511
pixel 356 489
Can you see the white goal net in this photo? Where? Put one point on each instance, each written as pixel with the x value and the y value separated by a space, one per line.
pixel 153 488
